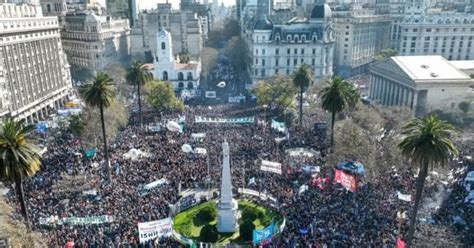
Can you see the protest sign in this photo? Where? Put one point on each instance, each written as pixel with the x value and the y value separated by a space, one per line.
pixel 259 236
pixel 404 197
pixel 271 166
pixel 346 180
pixel 154 229
pixel 92 220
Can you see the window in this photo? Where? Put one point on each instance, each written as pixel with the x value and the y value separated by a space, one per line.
pixel 302 51
pixel 263 51
pixel 288 51
pixel 263 72
pixel 313 62
pixel 165 75
pixel 295 62
pixel 256 51
pixel 302 61
pixel 181 85
pixel 276 62
pixel 190 86
pixel 277 51
pixel 296 50
pixel 288 62
pixel 276 71
pixel 190 76
pixel 163 46
pixel 263 62
pixel 180 76
pixel 256 61
pixel 314 51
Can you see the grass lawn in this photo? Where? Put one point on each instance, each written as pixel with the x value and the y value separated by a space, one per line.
pixel 190 222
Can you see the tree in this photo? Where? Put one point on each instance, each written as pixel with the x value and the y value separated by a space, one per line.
pixel 184 58
pixel 238 53
pixel 76 126
pixel 99 93
pixel 209 233
pixel 19 158
pixel 116 118
pixel 276 93
pixel 336 96
pixel 208 60
pixel 231 29
pixel 427 142
pixel 161 96
pixel 138 74
pixel 464 107
pixel 302 79
pixel 117 72
pixel 246 230
pixel 386 53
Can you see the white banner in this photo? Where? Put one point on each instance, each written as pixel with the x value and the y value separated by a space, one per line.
pixel 240 120
pixel 271 166
pixel 154 229
pixel 404 197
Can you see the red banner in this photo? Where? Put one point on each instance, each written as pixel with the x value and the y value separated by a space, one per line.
pixel 400 243
pixel 348 181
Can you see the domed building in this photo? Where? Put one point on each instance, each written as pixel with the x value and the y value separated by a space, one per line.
pixel 278 49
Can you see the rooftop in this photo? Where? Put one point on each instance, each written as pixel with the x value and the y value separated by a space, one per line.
pixel 463 64
pixel 429 68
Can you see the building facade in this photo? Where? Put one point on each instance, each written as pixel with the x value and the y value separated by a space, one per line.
pixel 360 35
pixel 280 49
pixel 447 33
pixel 123 9
pixel 92 42
pixel 34 72
pixel 189 31
pixel 182 76
pixel 422 83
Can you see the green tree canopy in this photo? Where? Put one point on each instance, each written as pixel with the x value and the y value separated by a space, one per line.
pixel 426 142
pixel 160 95
pixel 19 158
pixel 231 29
pixel 138 74
pixel 386 53
pixel 277 93
pixel 302 78
pixel 238 52
pixel 336 96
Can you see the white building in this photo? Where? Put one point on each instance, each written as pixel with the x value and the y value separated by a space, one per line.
pixel 360 35
pixel 167 68
pixel 189 31
pixel 423 83
pixel 447 33
pixel 34 73
pixel 92 42
pixel 280 49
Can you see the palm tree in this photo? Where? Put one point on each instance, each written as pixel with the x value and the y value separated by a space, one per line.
pixel 138 74
pixel 337 95
pixel 426 142
pixel 99 93
pixel 302 79
pixel 19 158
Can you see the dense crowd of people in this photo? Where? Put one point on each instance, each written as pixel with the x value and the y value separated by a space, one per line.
pixel 329 217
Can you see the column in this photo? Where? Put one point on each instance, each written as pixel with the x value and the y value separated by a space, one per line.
pixel 385 92
pixel 400 95
pixel 415 100
pixel 372 87
pixel 378 89
pixel 389 94
pixel 409 98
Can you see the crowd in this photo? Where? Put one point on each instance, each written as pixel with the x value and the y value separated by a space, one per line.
pixel 333 217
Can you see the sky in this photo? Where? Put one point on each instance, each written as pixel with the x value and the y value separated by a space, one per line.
pixel 148 4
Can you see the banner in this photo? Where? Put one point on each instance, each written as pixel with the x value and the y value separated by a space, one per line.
pixel 242 120
pixel 310 169
pixel 266 234
pixel 154 229
pixel 236 99
pixel 400 243
pixel 279 126
pixel 271 166
pixel 404 197
pixel 346 180
pixel 92 220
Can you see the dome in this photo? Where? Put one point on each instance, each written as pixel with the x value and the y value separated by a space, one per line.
pixel 320 12
pixel 91 17
pixel 263 24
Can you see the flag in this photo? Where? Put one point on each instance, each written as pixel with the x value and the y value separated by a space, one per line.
pixel 302 189
pixel 251 181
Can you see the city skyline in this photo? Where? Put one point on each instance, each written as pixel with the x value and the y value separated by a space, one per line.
pixel 147 4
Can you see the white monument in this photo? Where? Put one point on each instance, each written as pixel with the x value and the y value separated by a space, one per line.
pixel 227 206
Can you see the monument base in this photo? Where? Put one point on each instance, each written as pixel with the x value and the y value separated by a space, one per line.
pixel 227 215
